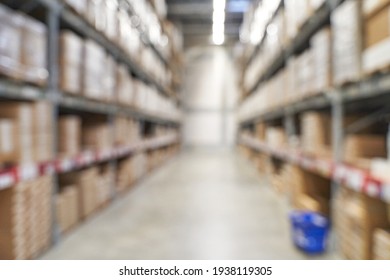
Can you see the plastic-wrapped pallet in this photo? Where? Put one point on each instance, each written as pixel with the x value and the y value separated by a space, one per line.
pixel 347 42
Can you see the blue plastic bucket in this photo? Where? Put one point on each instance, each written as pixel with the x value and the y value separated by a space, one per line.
pixel 309 231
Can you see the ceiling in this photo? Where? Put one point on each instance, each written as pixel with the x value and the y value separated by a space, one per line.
pixel 195 18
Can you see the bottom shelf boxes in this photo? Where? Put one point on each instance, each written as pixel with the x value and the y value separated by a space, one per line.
pixel 382 244
pixel 25 219
pixel 356 218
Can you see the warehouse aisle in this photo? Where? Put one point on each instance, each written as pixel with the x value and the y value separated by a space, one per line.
pixel 205 204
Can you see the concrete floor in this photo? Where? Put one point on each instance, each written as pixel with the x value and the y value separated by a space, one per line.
pixel 205 204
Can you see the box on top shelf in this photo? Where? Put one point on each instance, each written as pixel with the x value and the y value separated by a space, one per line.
pixel 322 60
pixel 93 73
pixel 347 42
pixel 381 244
pixel 70 62
pixel 10 48
pixel 376 56
pixel 371 7
pixel 34 51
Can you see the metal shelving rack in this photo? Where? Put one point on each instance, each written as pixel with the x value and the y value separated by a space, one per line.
pixel 55 15
pixel 371 93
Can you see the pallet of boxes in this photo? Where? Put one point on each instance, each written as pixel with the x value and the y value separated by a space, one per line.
pixel 26 134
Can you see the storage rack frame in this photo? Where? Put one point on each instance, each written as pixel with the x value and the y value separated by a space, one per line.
pixel 373 90
pixel 57 13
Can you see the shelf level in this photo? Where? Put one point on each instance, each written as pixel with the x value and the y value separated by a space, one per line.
pixel 18 174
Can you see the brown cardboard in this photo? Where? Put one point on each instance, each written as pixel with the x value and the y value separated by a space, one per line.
pixel 371 7
pixel 69 135
pixel 381 245
pixel 377 28
pixel 364 146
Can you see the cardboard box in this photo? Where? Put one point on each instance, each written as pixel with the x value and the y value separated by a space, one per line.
pixel 96 135
pixel 22 221
pixel 10 49
pixel 364 146
pixel 322 60
pixel 71 62
pixel 307 183
pixel 276 137
pixel 377 41
pixel 347 42
pixel 34 51
pixel 93 73
pixel 313 203
pixel 370 7
pixel 7 141
pixel 316 138
pixel 69 135
pixel 382 244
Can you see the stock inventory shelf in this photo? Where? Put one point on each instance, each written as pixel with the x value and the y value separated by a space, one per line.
pixel 18 174
pixel 357 179
pixel 101 115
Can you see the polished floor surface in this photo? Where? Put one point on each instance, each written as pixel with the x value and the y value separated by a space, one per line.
pixel 204 204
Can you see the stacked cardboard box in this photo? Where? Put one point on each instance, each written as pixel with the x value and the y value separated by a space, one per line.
pixel 34 51
pixel 316 138
pixel 309 191
pixel 105 182
pixel 43 131
pixel 7 141
pixel 139 165
pixel 93 73
pixel 10 50
pixel 109 80
pixel 125 88
pixel 305 75
pixel 347 42
pixel 86 182
pixel 276 137
pixel 69 136
pixel 376 35
pixel 361 149
pixel 322 60
pixel 357 216
pixel 96 135
pixel 71 61
pixel 382 244
pixel 68 208
pixel 25 224
pixel 278 175
pixel 18 115
pixel 125 177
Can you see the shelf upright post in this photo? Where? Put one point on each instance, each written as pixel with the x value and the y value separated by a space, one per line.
pixel 112 165
pixel 337 146
pixel 53 95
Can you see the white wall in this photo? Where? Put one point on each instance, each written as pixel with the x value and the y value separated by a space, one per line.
pixel 209 97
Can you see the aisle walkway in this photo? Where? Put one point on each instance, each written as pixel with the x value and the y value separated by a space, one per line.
pixel 202 205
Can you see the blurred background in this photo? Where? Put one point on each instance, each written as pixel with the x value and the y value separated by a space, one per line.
pixel 213 129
